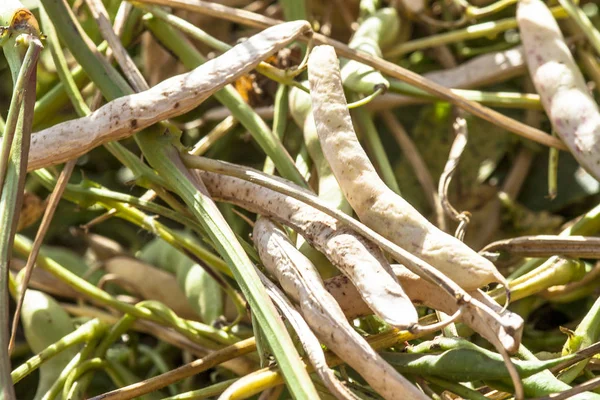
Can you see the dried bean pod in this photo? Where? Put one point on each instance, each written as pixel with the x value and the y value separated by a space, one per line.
pixel 360 260
pixel 573 112
pixel 295 273
pixel 507 326
pixel 151 283
pixel 376 205
pixel 175 96
pixel 299 278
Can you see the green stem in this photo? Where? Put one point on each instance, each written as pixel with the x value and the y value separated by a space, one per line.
pixel 159 362
pixel 56 98
pixel 85 332
pixel 494 99
pixel 23 246
pixel 556 271
pixel 105 77
pixel 83 355
pixel 22 48
pixel 480 12
pixel 21 79
pixel 586 334
pixel 553 155
pixel 62 68
pixel 471 32
pixel 294 9
pixel 164 157
pixel 204 393
pixel 71 388
pixel 84 195
pixel 280 120
pixel 584 23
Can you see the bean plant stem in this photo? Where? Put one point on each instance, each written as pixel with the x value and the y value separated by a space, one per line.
pixel 22 47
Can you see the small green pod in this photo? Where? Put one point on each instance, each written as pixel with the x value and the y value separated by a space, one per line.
pixel 542 384
pixel 465 364
pixel 374 33
pixel 44 323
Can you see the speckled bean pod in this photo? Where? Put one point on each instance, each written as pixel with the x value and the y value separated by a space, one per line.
pixel 175 96
pixel 376 205
pixel 301 281
pixel 361 261
pixel 573 112
pixel 420 291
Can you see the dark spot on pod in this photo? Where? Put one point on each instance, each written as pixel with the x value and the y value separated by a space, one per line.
pixel 176 105
pixel 133 123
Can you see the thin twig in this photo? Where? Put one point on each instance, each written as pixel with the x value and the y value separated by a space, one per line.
pixel 241 348
pixel 457 149
pixel 55 197
pixel 133 74
pixel 547 246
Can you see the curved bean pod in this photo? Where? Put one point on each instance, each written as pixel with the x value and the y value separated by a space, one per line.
pixel 44 323
pixel 361 261
pixel 301 281
pixel 175 96
pixel 376 205
pixel 572 111
pixel 507 326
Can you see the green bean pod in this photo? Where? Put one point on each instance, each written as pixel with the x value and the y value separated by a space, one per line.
pixel 586 334
pixel 542 384
pixel 375 32
pixel 465 364
pixel 45 322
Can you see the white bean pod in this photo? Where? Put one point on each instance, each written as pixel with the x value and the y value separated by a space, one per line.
pixel 360 260
pixel 376 205
pixel 175 96
pixel 300 280
pixel 573 112
pixel 507 325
